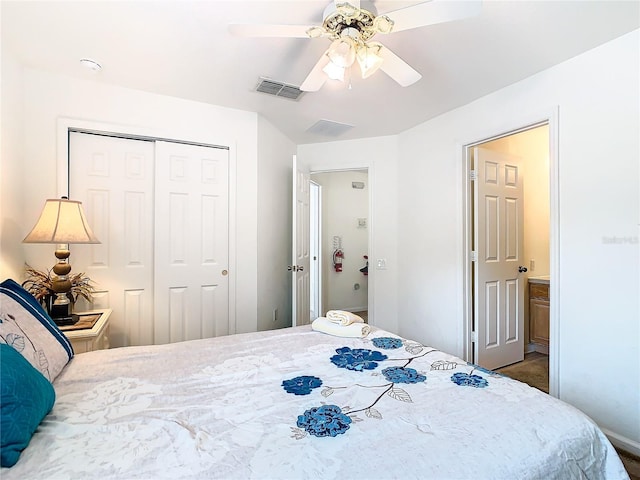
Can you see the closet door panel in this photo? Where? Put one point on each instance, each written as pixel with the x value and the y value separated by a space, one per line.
pixel 114 179
pixel 192 251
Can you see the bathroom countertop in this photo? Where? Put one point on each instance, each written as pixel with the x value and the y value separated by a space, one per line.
pixel 540 279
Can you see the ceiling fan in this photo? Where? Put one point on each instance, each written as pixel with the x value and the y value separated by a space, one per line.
pixel 350 26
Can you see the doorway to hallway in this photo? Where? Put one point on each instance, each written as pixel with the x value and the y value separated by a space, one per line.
pixel 340 233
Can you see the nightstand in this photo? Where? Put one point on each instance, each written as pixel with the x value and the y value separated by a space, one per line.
pixel 91 332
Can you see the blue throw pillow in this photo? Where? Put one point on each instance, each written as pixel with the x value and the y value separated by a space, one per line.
pixel 27 397
pixel 25 326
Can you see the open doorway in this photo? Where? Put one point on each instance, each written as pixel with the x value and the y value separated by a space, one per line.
pixel 315 254
pixel 530 148
pixel 341 233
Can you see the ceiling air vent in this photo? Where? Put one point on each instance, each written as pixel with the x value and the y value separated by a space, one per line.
pixel 329 128
pixel 278 89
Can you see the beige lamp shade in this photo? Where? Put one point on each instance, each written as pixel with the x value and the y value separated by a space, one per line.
pixel 61 221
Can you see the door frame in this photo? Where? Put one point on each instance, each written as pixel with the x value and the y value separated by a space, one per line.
pixel 66 125
pixel 508 127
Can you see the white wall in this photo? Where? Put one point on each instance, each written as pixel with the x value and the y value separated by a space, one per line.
pixel 379 155
pixel 275 157
pixel 597 96
pixel 48 97
pixel 11 161
pixel 342 206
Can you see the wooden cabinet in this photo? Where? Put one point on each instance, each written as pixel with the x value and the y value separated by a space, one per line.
pixel 90 333
pixel 539 315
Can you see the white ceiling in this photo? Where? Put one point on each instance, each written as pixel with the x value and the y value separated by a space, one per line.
pixel 183 49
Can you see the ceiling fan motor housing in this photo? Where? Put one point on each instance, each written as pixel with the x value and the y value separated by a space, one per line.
pixel 345 18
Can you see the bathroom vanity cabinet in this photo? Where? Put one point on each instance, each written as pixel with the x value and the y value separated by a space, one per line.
pixel 539 313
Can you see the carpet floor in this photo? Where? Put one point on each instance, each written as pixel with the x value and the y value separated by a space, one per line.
pixel 533 370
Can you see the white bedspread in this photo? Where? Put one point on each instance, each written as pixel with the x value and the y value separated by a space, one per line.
pixel 216 408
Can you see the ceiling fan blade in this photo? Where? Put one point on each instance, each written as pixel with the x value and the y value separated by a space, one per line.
pixel 432 12
pixel 397 68
pixel 247 30
pixel 316 77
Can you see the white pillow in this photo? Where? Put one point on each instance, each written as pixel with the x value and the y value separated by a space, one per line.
pixel 26 327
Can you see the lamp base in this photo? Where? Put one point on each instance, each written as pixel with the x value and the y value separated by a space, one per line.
pixel 61 316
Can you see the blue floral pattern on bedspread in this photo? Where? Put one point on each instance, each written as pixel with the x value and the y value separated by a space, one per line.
pixel 388 343
pixel 357 359
pixel 465 379
pixel 403 375
pixel 331 420
pixel 301 385
pixel 324 421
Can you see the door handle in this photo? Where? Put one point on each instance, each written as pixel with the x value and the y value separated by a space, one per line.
pixel 522 269
pixel 295 268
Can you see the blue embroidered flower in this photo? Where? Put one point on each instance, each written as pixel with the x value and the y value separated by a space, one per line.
pixel 324 421
pixel 387 342
pixel 464 379
pixel 301 385
pixel 402 375
pixel 484 370
pixel 358 359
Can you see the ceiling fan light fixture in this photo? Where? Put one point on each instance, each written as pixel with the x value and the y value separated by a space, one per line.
pixel 342 52
pixel 350 24
pixel 334 72
pixel 369 59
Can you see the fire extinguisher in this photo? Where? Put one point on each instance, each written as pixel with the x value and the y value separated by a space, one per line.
pixel 338 255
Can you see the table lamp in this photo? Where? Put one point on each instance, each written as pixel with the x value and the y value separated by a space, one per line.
pixel 62 222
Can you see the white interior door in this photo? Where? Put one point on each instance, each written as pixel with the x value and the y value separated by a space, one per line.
pixel 113 178
pixel 191 249
pixel 300 314
pixel 499 286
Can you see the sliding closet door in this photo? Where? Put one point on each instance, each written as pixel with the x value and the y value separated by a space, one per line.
pixel 161 211
pixel 114 179
pixel 191 249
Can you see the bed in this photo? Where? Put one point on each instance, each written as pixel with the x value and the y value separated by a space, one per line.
pixel 296 403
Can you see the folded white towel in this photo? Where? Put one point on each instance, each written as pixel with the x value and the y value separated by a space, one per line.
pixel 356 330
pixel 343 318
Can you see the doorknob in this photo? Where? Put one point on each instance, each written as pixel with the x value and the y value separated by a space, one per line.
pixel 522 269
pixel 300 268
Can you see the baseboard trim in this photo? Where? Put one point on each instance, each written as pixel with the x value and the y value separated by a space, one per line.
pixel 622 442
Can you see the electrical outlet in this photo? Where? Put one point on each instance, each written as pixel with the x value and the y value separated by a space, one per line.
pixel 532 265
pixel 381 264
pixel 275 315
